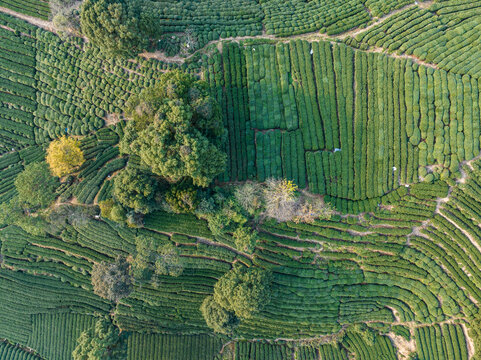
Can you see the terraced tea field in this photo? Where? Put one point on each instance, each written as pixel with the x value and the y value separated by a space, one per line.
pixel 370 106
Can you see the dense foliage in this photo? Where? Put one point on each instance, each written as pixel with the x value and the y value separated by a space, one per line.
pixel 245 239
pixel 153 260
pixel 36 186
pixel 111 210
pixel 176 129
pixel 64 156
pixel 217 318
pixel 135 189
pixel 117 27
pixel 244 291
pixel 101 342
pixel 112 281
pixel 181 199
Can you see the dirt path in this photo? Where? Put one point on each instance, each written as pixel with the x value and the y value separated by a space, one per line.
pixel 225 246
pixel 354 32
pixel 441 201
pixel 33 20
pixel 401 56
pixel 316 341
pixel 405 348
pixel 311 36
pixel 469 341
pixel 212 243
pixel 465 233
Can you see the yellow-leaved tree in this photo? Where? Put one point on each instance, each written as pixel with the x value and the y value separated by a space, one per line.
pixel 64 156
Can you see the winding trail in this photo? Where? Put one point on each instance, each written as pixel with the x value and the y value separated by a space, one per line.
pixel 461 180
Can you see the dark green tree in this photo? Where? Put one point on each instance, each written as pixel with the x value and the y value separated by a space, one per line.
pixel 217 318
pixel 181 199
pixel 109 209
pixel 227 218
pixel 135 189
pixel 36 186
pixel 176 129
pixel 118 27
pixel 244 291
pixel 101 342
pixel 112 281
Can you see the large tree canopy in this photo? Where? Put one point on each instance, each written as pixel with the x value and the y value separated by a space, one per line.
pixel 176 129
pixel 244 291
pixel 112 281
pixel 36 186
pixel 101 342
pixel 118 27
pixel 64 156
pixel 135 189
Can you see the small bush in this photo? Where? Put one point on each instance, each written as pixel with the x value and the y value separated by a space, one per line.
pixel 310 209
pixel 245 239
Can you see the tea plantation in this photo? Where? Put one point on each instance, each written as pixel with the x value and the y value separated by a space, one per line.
pixel 366 112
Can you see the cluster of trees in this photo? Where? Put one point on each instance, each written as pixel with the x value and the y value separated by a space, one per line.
pixel 36 188
pixel 175 128
pixel 239 294
pixel 115 280
pixel 37 183
pixel 173 137
pixel 280 199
